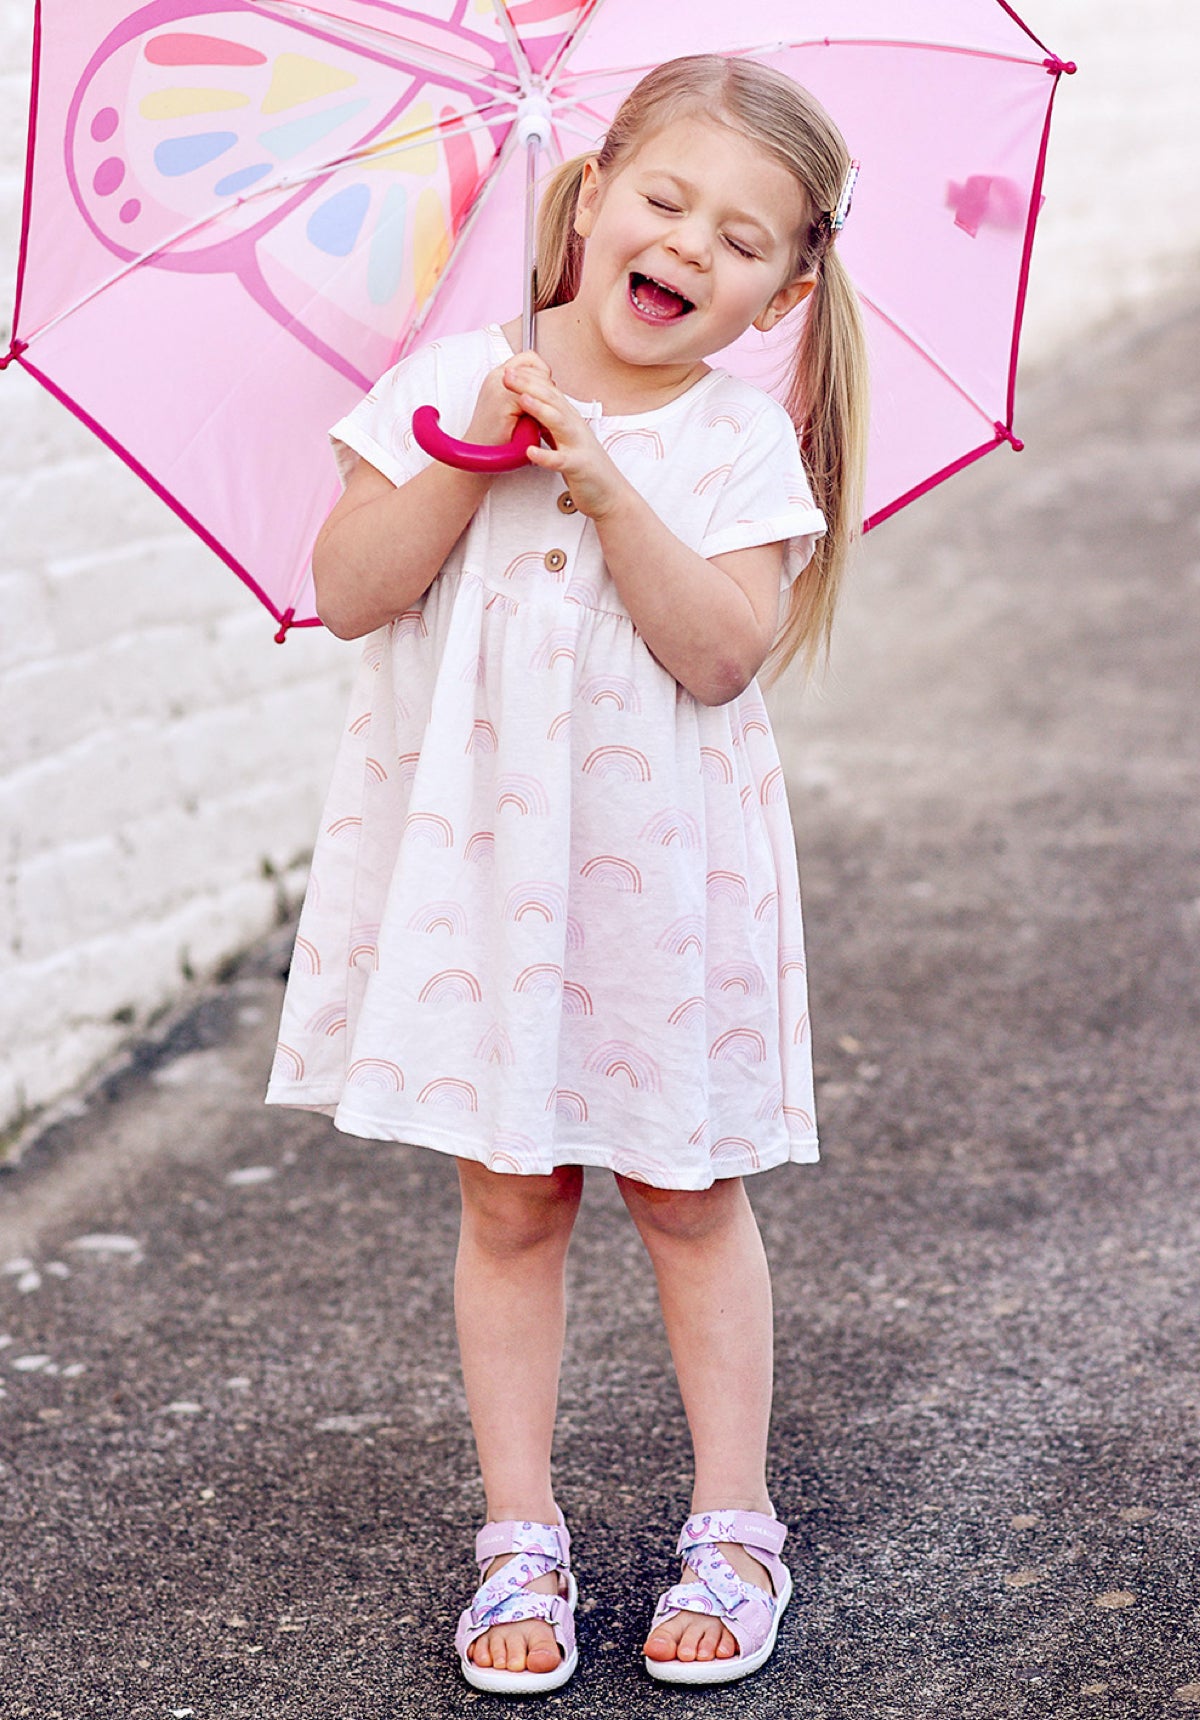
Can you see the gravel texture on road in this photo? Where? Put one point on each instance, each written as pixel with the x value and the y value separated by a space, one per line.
pixel 237 1475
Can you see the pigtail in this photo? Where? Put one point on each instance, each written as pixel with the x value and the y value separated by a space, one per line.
pixel 828 395
pixel 559 246
pixel 829 406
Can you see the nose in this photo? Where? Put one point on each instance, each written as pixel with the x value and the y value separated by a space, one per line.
pixel 689 239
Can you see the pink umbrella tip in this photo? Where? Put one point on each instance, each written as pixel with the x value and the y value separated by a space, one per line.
pixel 14 351
pixel 286 621
pixel 1056 66
pixel 1005 434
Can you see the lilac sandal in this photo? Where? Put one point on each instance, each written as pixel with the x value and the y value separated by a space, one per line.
pixel 748 1612
pixel 503 1599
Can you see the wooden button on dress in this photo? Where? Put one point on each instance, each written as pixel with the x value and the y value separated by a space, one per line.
pixel 555 560
pixel 566 504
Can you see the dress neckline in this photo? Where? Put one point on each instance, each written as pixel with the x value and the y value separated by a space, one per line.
pixel 595 408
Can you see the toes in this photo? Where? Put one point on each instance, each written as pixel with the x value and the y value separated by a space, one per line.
pixel 509 1653
pixel 699 1641
pixel 689 1637
pixel 542 1654
pixel 490 1649
pixel 660 1644
pixel 533 1650
pixel 517 1651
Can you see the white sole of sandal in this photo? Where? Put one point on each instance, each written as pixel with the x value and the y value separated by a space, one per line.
pixel 722 1671
pixel 505 1683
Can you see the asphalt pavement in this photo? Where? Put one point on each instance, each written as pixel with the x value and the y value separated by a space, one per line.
pixel 237 1476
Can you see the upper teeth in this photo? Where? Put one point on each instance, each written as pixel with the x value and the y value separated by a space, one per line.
pixel 653 281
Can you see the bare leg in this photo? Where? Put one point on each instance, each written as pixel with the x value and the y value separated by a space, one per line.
pixel 715 1293
pixel 510 1307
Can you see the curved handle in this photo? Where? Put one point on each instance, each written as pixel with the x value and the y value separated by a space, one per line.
pixel 474 456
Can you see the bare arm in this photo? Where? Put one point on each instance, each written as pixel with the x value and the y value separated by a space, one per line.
pixel 382 546
pixel 709 623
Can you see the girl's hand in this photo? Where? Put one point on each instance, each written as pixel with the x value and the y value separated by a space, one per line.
pixel 494 420
pixel 594 482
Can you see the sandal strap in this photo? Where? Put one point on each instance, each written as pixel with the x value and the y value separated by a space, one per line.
pixel 555 1609
pixel 753 1530
pixel 543 1540
pixel 515 1607
pixel 746 1610
pixel 685 1597
pixel 538 1549
pixel 500 1593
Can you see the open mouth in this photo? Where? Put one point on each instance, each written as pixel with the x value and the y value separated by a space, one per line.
pixel 656 301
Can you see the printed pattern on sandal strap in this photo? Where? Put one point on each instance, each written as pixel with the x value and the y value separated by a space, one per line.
pixel 749 1529
pixel 719 1592
pixel 540 1549
pixel 499 1599
pixel 549 1540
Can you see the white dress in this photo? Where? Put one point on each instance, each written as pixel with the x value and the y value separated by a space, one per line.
pixel 554 915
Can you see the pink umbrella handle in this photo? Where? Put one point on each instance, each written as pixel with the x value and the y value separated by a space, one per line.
pixel 474 456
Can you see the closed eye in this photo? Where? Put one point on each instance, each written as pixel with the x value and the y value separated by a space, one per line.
pixel 673 209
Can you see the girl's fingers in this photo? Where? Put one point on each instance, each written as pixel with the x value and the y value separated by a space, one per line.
pixel 528 361
pixel 544 390
pixel 551 458
pixel 552 403
pixel 554 421
pixel 542 405
pixel 517 377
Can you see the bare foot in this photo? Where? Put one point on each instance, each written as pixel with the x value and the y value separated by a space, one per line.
pixel 529 1646
pixel 697 1636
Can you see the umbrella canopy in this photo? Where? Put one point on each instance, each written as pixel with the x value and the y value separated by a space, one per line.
pixel 240 212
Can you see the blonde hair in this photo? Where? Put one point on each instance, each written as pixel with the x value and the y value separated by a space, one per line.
pixel 827 389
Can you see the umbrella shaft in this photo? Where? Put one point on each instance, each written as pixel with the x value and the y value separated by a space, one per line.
pixel 531 175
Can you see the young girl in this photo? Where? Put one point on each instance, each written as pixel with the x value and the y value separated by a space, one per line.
pixel 554 918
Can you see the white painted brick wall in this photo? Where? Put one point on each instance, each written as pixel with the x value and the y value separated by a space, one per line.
pixel 162 763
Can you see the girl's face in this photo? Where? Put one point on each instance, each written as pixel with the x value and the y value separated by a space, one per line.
pixel 690 240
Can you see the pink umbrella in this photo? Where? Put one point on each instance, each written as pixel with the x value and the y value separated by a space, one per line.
pixel 239 213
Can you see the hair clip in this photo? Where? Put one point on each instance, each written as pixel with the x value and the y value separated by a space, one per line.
pixel 837 219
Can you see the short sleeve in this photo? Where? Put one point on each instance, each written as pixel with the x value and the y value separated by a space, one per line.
pixel 765 497
pixel 379 428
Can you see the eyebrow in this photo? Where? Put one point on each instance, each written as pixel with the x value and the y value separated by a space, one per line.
pixel 740 215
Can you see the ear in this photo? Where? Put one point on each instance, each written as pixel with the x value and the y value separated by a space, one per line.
pixel 785 300
pixel 588 199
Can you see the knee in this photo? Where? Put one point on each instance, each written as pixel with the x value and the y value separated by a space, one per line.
pixel 683 1215
pixel 508 1214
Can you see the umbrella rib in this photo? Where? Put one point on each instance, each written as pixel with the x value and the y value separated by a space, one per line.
pixel 1017 20
pixel 159 488
pixel 572 40
pixel 429 59
pixel 515 45
pixel 579 107
pixel 918 345
pixel 422 316
pixel 588 137
pixel 479 121
pixel 618 79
